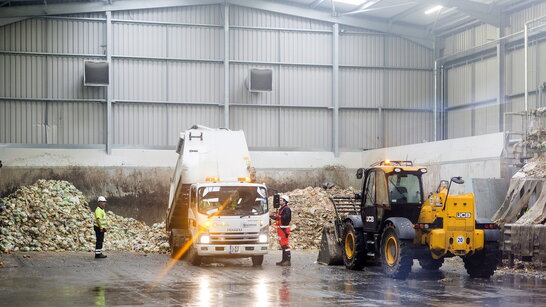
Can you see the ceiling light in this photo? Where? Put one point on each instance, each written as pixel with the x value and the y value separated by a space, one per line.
pixel 433 9
pixel 351 2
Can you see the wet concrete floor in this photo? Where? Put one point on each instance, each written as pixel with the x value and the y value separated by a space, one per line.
pixel 124 278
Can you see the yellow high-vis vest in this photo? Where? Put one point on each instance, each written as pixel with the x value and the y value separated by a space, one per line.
pixel 101 215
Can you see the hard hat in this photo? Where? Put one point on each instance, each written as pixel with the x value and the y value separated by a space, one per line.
pixel 286 198
pixel 102 198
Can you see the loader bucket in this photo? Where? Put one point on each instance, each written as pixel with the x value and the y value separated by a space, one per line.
pixel 330 250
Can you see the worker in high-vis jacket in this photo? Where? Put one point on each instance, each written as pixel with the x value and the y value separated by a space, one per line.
pixel 283 218
pixel 100 226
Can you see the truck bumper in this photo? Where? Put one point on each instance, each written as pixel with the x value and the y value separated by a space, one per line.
pixel 245 250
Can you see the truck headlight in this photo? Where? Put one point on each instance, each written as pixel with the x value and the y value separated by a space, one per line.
pixel 205 239
pixel 262 238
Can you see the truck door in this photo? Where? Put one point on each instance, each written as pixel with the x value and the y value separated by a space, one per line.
pixel 369 218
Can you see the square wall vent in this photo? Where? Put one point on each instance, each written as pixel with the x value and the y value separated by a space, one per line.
pixel 96 73
pixel 260 80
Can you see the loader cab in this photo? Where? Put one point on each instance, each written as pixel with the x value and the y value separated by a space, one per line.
pixel 392 189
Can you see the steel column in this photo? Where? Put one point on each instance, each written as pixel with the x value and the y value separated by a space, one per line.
pixel 109 88
pixel 335 88
pixel 226 65
pixel 501 67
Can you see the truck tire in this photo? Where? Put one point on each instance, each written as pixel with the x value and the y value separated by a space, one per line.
pixel 482 264
pixel 193 257
pixel 430 264
pixel 396 258
pixel 257 260
pixel 354 247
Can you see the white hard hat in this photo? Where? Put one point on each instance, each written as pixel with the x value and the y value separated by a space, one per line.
pixel 286 198
pixel 102 198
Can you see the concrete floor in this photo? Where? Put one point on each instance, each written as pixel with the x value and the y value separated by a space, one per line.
pixel 124 278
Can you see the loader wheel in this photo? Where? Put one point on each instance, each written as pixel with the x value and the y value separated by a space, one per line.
pixel 396 259
pixel 431 264
pixel 354 247
pixel 484 262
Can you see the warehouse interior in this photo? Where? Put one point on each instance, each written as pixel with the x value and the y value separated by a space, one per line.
pixel 98 92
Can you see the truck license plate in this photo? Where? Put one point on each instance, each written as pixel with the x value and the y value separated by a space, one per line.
pixel 234 249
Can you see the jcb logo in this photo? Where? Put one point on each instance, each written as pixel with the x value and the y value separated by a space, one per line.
pixel 463 214
pixel 369 219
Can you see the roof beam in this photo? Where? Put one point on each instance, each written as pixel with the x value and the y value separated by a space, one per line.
pixel 405 13
pixel 486 13
pixel 414 33
pixel 94 7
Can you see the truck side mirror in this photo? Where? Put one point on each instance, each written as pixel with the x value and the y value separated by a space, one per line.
pixel 458 180
pixel 359 173
pixel 276 201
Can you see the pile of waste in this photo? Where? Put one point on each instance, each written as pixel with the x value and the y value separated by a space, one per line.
pixel 53 215
pixel 312 210
pixel 536 167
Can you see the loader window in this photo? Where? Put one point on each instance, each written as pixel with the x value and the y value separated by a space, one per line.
pixel 232 201
pixel 404 189
pixel 370 190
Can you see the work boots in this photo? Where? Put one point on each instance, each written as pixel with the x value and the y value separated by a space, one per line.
pixel 100 256
pixel 285 259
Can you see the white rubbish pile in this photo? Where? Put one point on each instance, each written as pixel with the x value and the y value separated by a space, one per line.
pixel 311 211
pixel 53 215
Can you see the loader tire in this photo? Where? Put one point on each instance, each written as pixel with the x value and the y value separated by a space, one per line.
pixel 430 264
pixel 354 247
pixel 396 258
pixel 483 263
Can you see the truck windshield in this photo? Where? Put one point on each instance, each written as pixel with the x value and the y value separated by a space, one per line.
pixel 404 189
pixel 235 201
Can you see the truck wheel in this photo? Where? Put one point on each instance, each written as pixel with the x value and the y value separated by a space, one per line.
pixel 257 260
pixel 174 251
pixel 193 258
pixel 396 259
pixel 431 264
pixel 354 247
pixel 482 264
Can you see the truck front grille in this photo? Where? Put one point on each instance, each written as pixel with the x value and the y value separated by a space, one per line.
pixel 234 237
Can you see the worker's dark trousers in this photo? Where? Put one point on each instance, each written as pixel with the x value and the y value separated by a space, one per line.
pixel 100 239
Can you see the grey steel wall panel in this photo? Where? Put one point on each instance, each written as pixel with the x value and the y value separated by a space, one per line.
pixel 361 87
pixel 518 19
pixel 402 127
pixel 22 76
pixel 139 40
pixel 140 80
pixel 486 79
pixel 261 125
pixel 470 38
pixel 195 82
pixel 486 120
pixel 359 129
pixel 403 53
pixel 70 36
pixel 240 16
pixel 409 89
pixel 195 43
pixel 181 117
pixel 307 86
pixel 51 122
pixel 459 85
pixel 252 45
pixel 298 47
pixel 140 124
pixel 64 79
pixel 361 49
pixel 459 123
pixel 211 14
pixel 310 129
pixel 238 92
pixel 516 69
pixel 26 35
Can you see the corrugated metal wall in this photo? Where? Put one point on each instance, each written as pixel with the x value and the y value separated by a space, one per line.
pixel 472 84
pixel 168 74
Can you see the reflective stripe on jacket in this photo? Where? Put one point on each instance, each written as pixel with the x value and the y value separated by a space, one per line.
pixel 101 215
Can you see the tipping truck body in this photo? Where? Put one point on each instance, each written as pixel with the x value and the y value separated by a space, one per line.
pixel 215 209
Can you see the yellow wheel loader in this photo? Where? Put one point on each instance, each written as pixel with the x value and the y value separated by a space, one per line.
pixel 390 222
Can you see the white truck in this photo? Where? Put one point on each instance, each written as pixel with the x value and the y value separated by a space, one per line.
pixel 215 208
